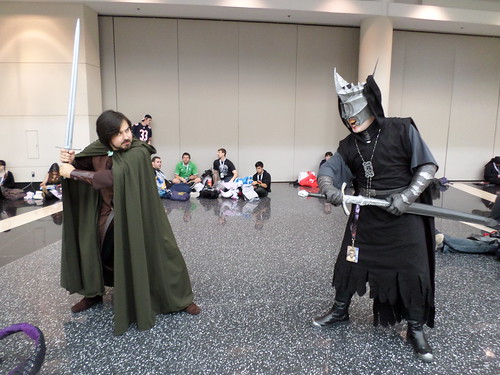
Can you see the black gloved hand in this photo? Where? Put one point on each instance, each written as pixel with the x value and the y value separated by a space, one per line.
pixel 333 195
pixel 400 202
pixel 397 205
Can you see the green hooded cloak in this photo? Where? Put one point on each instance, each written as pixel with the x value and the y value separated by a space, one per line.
pixel 150 275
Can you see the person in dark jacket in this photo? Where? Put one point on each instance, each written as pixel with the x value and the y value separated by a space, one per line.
pixel 261 180
pixel 492 171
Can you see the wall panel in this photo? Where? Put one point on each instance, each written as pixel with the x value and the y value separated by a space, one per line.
pixel 267 74
pixel 208 90
pixel 265 91
pixel 318 126
pixel 422 85
pixel 147 78
pixel 474 107
pixel 449 84
pixel 107 54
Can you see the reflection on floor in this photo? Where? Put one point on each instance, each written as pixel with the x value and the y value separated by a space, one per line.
pixel 260 271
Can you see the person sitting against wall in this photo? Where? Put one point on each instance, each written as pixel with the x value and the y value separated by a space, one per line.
pixel 162 183
pixel 6 179
pixel 328 155
pixel 492 171
pixel 186 171
pixel 261 180
pixel 51 184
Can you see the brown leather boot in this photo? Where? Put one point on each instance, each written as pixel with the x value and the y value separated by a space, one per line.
pixel 86 303
pixel 193 309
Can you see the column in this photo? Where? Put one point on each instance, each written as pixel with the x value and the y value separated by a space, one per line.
pixel 376 45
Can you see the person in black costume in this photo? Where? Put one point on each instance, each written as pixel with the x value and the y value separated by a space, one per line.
pixel 383 158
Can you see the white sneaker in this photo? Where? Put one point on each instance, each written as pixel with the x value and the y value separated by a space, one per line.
pixel 226 194
pixel 439 241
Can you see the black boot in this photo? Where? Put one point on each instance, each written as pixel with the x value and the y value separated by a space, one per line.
pixel 416 337
pixel 337 315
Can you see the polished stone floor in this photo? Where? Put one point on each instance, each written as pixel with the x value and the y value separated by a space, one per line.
pixel 260 271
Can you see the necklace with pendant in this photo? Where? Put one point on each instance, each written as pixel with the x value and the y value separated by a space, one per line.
pixel 367 165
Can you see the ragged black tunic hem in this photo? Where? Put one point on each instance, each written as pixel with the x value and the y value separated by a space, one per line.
pixel 396 295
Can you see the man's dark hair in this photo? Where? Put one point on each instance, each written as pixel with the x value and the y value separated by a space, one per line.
pixel 2 162
pixel 259 164
pixel 154 158
pixel 147 116
pixel 223 150
pixel 328 153
pixel 108 125
pixel 186 153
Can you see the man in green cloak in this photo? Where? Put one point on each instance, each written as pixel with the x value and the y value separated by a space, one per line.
pixel 116 232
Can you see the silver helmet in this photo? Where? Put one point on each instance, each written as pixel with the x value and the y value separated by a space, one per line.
pixel 352 103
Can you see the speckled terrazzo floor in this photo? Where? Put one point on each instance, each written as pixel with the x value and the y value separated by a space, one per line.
pixel 259 272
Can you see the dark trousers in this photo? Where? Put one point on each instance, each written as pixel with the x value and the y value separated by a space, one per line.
pixel 261 192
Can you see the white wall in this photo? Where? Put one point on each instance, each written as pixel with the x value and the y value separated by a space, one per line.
pixel 36 51
pixel 262 91
pixel 265 91
pixel 450 85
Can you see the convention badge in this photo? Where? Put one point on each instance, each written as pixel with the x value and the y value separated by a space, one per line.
pixel 352 254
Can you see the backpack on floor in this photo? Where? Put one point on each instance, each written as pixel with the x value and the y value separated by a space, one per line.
pixel 181 188
pixel 179 195
pixel 209 192
pixel 13 194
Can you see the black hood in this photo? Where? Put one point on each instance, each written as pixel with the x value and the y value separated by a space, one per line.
pixel 371 92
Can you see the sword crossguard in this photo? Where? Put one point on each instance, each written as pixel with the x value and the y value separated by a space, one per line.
pixel 344 200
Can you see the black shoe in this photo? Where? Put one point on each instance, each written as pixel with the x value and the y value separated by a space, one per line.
pixel 416 337
pixel 337 315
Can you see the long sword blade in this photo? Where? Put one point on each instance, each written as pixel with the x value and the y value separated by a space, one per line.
pixel 415 208
pixel 424 210
pixel 68 145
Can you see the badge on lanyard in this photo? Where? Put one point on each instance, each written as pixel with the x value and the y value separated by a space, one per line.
pixel 352 254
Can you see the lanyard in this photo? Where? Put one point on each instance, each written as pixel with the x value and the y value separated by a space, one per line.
pixel 354 224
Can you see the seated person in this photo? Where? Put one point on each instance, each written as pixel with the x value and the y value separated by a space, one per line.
pixel 475 244
pixel 49 184
pixel 224 169
pixel 492 171
pixel 261 180
pixel 328 155
pixel 186 171
pixel 161 181
pixel 6 179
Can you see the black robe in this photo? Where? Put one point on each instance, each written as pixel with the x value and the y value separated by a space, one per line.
pixel 396 253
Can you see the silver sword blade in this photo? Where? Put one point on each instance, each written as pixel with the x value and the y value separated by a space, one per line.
pixel 424 210
pixel 72 94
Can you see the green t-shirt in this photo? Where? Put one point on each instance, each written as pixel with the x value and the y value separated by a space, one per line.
pixel 185 171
